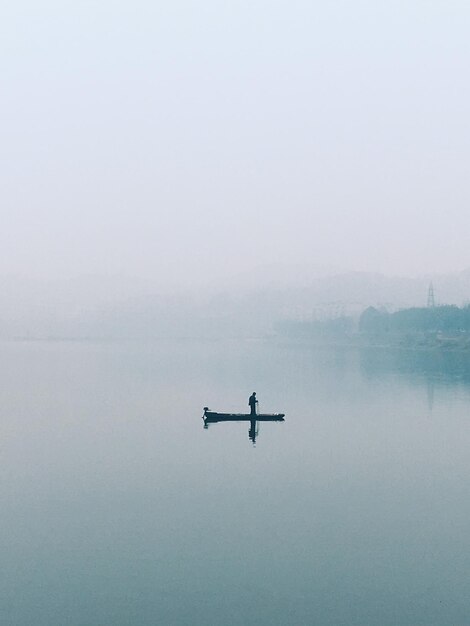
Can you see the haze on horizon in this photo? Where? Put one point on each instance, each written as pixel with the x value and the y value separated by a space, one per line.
pixel 187 142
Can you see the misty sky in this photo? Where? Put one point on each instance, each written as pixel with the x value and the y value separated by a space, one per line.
pixel 190 140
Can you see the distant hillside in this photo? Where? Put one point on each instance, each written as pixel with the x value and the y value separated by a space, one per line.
pixel 126 307
pixel 354 291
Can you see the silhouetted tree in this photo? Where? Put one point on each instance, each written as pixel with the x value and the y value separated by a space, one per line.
pixel 374 321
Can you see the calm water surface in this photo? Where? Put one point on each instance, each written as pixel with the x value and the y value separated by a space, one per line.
pixel 118 508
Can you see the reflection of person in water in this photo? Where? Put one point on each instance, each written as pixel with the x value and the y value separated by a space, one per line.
pixel 253 431
pixel 252 402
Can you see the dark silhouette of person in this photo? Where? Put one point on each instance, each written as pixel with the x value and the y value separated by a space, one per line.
pixel 252 402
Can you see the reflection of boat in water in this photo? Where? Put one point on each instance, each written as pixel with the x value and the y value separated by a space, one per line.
pixel 212 417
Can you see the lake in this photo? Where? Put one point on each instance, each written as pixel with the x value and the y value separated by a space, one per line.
pixel 119 508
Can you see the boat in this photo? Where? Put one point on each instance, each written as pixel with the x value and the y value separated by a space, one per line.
pixel 212 417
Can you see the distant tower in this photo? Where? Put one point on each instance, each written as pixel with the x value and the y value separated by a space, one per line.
pixel 431 303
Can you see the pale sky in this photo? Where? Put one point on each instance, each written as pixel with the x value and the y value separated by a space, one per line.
pixel 187 141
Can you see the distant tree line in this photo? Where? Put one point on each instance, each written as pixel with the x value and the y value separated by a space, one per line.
pixel 446 319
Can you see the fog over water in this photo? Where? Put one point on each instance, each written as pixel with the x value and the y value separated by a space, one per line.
pixel 199 200
pixel 119 508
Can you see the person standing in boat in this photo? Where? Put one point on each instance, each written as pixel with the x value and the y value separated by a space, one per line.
pixel 252 402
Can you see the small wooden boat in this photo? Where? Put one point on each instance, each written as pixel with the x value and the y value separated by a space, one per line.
pixel 212 417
